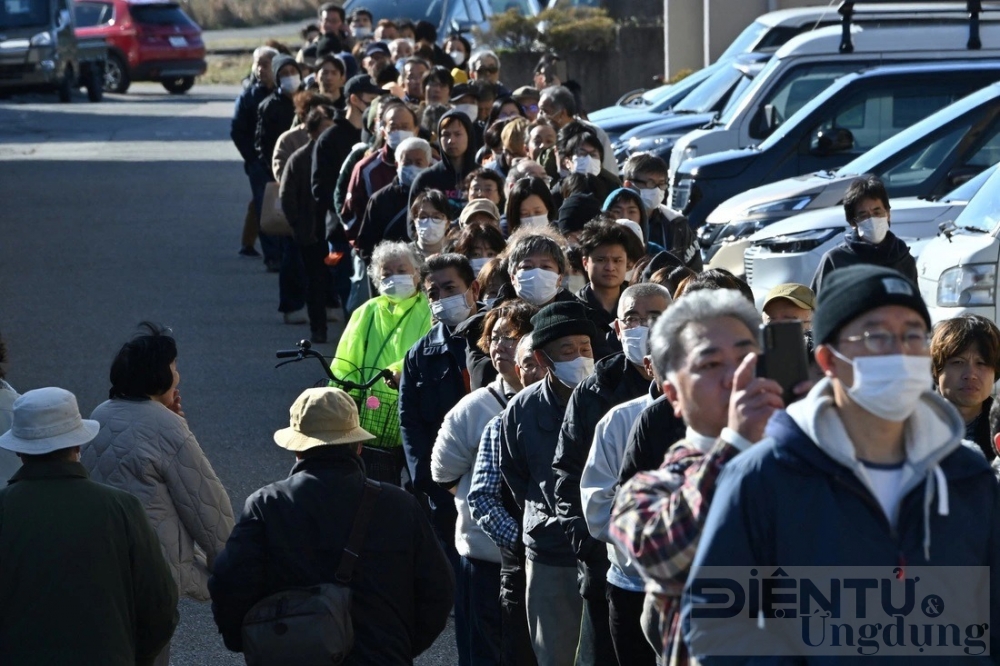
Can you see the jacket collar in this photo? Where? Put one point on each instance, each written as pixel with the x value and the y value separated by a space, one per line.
pixel 332 457
pixel 62 469
pixel 439 340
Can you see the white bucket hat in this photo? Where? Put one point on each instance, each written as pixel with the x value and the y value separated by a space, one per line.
pixel 46 420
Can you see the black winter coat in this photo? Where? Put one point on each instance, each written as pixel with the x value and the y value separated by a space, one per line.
pixel 384 218
pixel 606 343
pixel 891 253
pixel 671 231
pixel 296 197
pixel 655 431
pixel 243 127
pixel 331 149
pixel 275 116
pixel 292 533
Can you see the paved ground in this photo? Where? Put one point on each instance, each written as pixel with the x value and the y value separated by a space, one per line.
pixel 131 210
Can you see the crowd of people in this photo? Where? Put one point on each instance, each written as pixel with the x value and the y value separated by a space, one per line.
pixel 568 416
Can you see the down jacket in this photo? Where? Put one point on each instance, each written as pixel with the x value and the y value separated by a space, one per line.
pixel 148 450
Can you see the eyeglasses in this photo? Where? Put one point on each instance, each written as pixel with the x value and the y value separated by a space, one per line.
pixel 634 321
pixel 883 342
pixel 497 340
pixel 485 69
pixel 865 214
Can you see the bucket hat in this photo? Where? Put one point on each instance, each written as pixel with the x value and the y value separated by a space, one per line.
pixel 47 420
pixel 320 417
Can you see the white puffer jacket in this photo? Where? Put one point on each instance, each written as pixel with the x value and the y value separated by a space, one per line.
pixel 148 450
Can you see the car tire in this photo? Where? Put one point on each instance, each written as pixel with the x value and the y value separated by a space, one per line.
pixel 116 77
pixel 65 89
pixel 178 86
pixel 95 82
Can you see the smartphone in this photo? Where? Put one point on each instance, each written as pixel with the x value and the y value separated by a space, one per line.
pixel 783 356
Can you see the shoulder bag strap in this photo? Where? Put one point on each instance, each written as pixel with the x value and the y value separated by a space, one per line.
pixel 499 398
pixel 357 537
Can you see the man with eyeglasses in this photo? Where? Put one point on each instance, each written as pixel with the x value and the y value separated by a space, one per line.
pixel 616 379
pixel 484 67
pixel 866 207
pixel 869 469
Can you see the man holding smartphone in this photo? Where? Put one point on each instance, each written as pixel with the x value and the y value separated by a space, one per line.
pixel 872 452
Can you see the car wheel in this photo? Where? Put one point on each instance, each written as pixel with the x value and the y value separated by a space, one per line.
pixel 95 82
pixel 65 89
pixel 178 86
pixel 116 78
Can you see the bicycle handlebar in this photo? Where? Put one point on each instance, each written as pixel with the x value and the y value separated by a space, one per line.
pixel 305 350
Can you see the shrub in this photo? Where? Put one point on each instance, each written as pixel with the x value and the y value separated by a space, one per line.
pixel 509 30
pixel 211 14
pixel 570 29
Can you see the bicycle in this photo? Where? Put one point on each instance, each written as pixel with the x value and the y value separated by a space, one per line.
pixel 384 458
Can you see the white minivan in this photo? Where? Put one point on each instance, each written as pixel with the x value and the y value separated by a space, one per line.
pixel 957 271
pixel 799 70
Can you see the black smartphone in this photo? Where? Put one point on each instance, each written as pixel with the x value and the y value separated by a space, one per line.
pixel 783 356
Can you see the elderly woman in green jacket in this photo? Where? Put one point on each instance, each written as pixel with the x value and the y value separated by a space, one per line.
pixel 377 337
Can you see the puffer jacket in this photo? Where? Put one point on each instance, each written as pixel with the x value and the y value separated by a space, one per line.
pixel 148 450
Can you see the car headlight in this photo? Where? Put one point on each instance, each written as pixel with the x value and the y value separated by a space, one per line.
pixel 737 230
pixel 974 284
pixel 690 153
pixel 803 241
pixel 42 39
pixel 680 193
pixel 640 144
pixel 781 206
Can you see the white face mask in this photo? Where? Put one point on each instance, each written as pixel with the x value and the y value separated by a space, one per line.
pixel 360 32
pixel 537 285
pixel 651 197
pixel 634 343
pixel 534 221
pixel 397 137
pixel 453 310
pixel 409 173
pixel 398 287
pixel 574 283
pixel 571 373
pixel 889 386
pixel 458 57
pixel 470 110
pixel 290 84
pixel 874 229
pixel 586 164
pixel 430 230
pixel 478 263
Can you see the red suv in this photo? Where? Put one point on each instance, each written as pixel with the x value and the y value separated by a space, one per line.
pixel 148 40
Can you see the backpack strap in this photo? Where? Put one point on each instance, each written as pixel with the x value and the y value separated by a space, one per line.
pixel 345 571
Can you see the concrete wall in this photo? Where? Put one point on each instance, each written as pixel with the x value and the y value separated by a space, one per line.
pixel 604 76
pixel 684 27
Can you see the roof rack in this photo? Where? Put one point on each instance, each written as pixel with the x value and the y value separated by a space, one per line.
pixel 973 7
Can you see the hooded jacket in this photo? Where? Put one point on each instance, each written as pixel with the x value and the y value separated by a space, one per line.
pixel 801 497
pixel 446 175
pixel 369 176
pixel 385 218
pixel 891 253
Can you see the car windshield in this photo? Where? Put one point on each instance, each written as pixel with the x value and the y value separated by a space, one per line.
pixel 24 13
pixel 983 211
pixel 683 88
pixel 706 97
pixel 745 41
pixel 159 14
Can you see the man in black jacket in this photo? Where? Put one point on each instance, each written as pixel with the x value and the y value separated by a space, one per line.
pixel 243 129
pixel 293 532
pixel 616 379
pixel 458 160
pixel 866 207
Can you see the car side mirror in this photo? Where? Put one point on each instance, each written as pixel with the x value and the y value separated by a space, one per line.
pixel 830 141
pixel 770 119
pixel 962 174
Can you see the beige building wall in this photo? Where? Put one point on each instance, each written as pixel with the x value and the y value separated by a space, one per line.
pixel 696 32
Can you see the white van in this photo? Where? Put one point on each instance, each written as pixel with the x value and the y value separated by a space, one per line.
pixel 957 271
pixel 799 71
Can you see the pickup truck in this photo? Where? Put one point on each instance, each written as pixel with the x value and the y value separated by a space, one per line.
pixel 39 50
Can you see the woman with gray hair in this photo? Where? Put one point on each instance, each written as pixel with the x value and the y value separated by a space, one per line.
pixel 377 337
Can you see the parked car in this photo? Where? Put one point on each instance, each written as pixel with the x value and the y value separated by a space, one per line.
pixel 927 159
pixel 846 120
pixel 957 271
pixel 148 40
pixel 445 14
pixel 40 50
pixel 790 250
pixel 726 85
pixel 803 68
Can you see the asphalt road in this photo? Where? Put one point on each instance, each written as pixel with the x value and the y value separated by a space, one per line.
pixel 131 210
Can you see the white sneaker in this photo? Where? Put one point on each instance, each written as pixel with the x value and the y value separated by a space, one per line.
pixel 297 317
pixel 333 314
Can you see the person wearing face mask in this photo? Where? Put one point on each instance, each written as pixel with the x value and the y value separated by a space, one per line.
pixel 377 337
pixel 578 151
pixel 360 24
pixel 562 340
pixel 398 123
pixel 874 454
pixel 433 381
pixel 609 251
pixel 458 159
pixel 386 215
pixel 452 461
pixel 616 379
pixel 558 107
pixel 666 228
pixel 428 223
pixel 530 205
pixel 869 241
